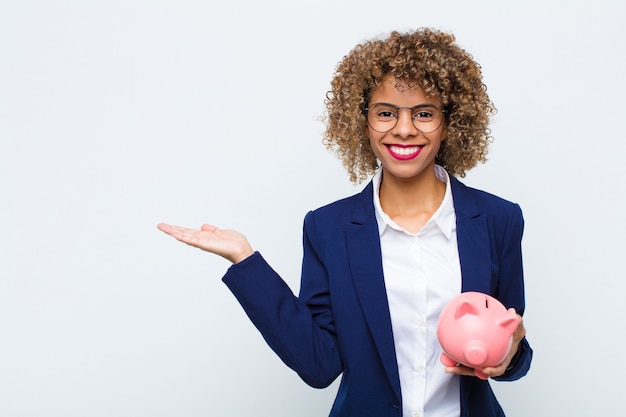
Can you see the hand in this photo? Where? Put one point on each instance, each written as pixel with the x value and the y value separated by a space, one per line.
pixel 229 244
pixel 495 371
pixel 518 335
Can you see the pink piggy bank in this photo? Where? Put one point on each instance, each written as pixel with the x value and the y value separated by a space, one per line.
pixel 476 330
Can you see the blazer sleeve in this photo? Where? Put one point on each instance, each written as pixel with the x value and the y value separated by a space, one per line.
pixel 300 331
pixel 510 289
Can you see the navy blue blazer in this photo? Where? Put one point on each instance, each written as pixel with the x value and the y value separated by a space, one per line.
pixel 340 322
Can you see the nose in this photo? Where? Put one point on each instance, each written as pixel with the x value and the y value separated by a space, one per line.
pixel 404 125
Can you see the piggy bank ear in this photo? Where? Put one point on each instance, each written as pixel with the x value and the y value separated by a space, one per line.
pixel 509 321
pixel 465 308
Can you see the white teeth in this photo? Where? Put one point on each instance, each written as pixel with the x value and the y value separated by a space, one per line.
pixel 404 151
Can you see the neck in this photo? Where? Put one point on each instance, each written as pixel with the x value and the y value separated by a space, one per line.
pixel 411 202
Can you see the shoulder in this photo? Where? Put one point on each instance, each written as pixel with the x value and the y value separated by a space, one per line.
pixel 472 201
pixel 347 206
pixel 332 217
pixel 502 217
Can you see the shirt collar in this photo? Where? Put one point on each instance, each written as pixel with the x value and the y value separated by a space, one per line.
pixel 443 218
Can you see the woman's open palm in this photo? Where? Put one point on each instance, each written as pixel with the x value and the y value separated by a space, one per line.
pixel 229 244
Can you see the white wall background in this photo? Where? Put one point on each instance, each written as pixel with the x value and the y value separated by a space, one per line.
pixel 116 115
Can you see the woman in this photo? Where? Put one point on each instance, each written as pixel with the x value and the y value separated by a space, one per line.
pixel 379 266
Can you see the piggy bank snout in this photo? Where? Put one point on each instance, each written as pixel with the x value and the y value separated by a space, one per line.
pixel 476 353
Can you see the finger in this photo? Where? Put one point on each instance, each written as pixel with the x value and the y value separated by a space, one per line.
pixel 164 227
pixel 174 231
pixel 460 370
pixel 494 371
pixel 183 234
pixel 208 228
pixel 520 332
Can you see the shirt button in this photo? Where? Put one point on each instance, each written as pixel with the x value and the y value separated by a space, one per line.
pixel 421 322
pixel 417 414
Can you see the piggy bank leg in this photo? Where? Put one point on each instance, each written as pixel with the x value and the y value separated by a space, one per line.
pixel 448 361
pixel 481 374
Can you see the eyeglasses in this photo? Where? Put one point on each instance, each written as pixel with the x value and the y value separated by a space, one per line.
pixel 382 117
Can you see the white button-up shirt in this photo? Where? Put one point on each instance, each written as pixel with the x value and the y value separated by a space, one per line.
pixel 422 273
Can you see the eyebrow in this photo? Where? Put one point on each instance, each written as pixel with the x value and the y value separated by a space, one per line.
pixel 417 106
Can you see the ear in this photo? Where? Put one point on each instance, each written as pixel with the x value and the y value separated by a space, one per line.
pixel 509 321
pixel 465 308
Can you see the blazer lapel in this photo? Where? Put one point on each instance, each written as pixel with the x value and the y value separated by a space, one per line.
pixel 365 261
pixel 473 240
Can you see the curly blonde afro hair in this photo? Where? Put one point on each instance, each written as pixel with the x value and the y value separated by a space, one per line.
pixel 425 58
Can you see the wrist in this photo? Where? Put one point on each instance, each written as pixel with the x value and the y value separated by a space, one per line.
pixel 244 253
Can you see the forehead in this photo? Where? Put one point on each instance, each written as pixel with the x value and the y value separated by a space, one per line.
pixel 400 92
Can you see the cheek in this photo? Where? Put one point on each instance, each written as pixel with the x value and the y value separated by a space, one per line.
pixel 374 140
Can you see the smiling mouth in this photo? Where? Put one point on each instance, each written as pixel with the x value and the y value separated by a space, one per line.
pixel 404 152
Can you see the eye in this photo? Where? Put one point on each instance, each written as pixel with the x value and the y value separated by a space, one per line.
pixel 385 114
pixel 423 115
